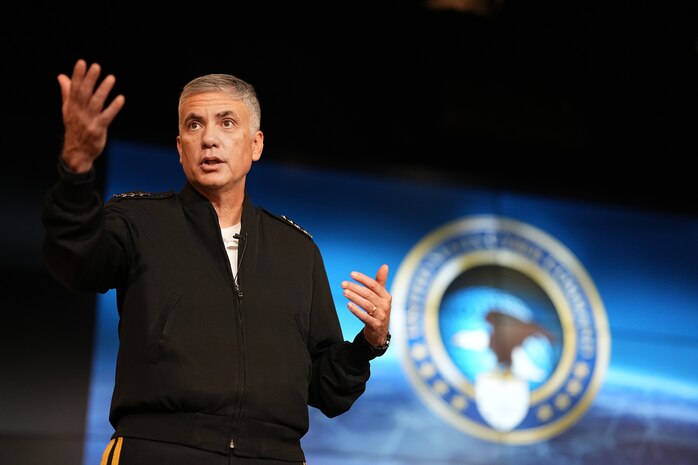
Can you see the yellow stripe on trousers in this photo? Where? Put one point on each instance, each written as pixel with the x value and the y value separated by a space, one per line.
pixel 117 452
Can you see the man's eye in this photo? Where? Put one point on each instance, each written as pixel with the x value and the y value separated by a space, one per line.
pixel 193 125
pixel 228 123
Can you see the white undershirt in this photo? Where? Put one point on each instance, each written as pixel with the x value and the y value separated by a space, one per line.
pixel 231 246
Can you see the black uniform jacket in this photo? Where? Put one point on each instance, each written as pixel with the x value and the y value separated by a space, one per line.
pixel 201 361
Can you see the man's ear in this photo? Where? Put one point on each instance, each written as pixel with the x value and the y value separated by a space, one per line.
pixel 257 145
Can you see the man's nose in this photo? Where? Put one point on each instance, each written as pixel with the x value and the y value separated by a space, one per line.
pixel 209 138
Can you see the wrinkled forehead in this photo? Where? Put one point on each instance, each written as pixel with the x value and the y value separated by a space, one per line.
pixel 210 104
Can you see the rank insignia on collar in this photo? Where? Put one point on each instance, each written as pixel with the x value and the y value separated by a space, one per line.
pixel 142 195
pixel 295 225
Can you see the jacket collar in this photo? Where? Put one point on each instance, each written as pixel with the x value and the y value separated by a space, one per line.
pixel 190 197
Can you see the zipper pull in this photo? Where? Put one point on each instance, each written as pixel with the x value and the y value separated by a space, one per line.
pixel 242 240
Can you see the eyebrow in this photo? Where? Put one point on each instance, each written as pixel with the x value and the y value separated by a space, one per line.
pixel 219 115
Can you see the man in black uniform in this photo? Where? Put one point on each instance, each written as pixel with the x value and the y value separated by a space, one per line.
pixel 228 329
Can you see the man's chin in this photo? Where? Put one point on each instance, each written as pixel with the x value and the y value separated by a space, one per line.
pixel 210 186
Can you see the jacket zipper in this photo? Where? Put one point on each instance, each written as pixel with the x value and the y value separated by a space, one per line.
pixel 238 290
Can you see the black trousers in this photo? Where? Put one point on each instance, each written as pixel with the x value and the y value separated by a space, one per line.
pixel 133 451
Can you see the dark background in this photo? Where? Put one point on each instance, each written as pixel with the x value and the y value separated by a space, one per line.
pixel 591 102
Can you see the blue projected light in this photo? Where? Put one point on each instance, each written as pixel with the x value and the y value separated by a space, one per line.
pixel 423 404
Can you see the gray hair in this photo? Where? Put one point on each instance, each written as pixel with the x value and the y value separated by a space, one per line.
pixel 228 84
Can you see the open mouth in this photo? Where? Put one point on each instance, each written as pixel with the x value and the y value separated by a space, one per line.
pixel 210 164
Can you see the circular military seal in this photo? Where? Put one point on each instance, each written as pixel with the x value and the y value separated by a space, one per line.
pixel 501 330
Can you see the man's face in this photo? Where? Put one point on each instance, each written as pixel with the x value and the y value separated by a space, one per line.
pixel 215 145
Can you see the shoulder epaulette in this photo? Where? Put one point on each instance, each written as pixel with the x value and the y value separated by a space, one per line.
pixel 142 195
pixel 290 222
